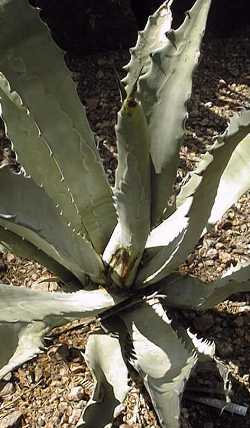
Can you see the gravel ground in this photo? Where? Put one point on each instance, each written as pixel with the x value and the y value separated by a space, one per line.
pixel 51 390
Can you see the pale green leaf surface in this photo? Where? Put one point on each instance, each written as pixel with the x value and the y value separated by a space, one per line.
pixel 161 358
pixel 27 211
pixel 35 68
pixel 234 181
pixel 167 231
pixel 163 241
pixel 214 164
pixel 22 248
pixel 131 193
pixel 191 293
pixel 164 92
pixel 151 38
pixel 26 315
pixel 27 137
pixel 20 342
pixel 19 304
pixel 104 358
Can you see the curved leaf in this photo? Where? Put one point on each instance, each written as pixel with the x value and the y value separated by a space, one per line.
pixel 27 211
pixel 234 181
pixel 19 304
pixel 163 361
pixel 22 248
pixel 191 293
pixel 20 342
pixel 163 242
pixel 164 92
pixel 104 357
pixel 211 169
pixel 150 39
pixel 26 315
pixel 35 68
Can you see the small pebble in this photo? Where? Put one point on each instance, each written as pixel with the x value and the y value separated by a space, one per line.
pixel 76 393
pixel 10 258
pixel 75 416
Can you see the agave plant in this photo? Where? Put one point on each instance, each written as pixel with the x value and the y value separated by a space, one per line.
pixel 115 250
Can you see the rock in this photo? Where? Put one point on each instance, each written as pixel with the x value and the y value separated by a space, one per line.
pixel 40 421
pixel 76 393
pixel 62 352
pixel 38 373
pixel 225 258
pixel 212 253
pixel 219 246
pixel 10 258
pixel 222 83
pixel 75 416
pixel 11 420
pixel 44 284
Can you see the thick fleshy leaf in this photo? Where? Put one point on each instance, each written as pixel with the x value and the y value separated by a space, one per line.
pixel 234 181
pixel 151 38
pixel 161 358
pixel 132 194
pixel 206 184
pixel 35 68
pixel 27 137
pixel 164 241
pixel 27 211
pixel 191 293
pixel 19 304
pixel 26 315
pixel 20 342
pixel 104 357
pixel 22 248
pixel 164 92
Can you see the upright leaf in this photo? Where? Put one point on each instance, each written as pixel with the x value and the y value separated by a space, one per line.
pixel 132 193
pixel 150 39
pixel 163 241
pixel 35 68
pixel 234 181
pixel 164 92
pixel 209 174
